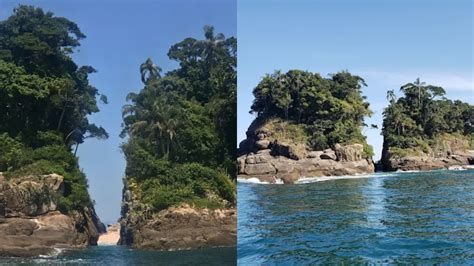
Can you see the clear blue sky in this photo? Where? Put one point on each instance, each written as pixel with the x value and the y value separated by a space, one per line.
pixel 388 43
pixel 120 36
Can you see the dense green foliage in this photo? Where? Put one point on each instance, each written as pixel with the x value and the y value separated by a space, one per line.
pixel 181 126
pixel 331 110
pixel 422 114
pixel 45 99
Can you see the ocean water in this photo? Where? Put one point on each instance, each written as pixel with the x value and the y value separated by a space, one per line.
pixel 120 255
pixel 384 218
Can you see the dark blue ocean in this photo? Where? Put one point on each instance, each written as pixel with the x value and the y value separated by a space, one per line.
pixel 386 218
pixel 119 255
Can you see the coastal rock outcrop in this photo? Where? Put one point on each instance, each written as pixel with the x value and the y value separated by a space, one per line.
pixel 285 161
pixel 447 152
pixel 175 228
pixel 31 223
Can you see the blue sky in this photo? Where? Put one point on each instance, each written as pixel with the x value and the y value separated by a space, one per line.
pixel 120 36
pixel 388 43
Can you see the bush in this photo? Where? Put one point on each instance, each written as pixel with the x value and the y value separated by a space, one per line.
pixel 368 150
pixel 12 153
pixel 188 183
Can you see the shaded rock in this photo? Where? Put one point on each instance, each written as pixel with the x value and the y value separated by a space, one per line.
pixel 240 165
pixel 328 155
pixel 462 159
pixel 262 144
pixel 284 149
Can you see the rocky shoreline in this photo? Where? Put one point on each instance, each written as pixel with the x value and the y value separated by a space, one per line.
pixel 450 153
pixel 176 228
pixel 275 168
pixel 32 225
pixel 268 159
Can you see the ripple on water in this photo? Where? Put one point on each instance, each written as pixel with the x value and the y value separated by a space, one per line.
pixel 418 217
pixel 119 255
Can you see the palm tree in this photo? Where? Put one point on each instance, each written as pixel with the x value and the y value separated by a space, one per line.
pixel 417 85
pixel 211 42
pixel 391 96
pixel 151 69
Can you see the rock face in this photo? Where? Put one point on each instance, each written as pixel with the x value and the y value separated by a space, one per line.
pixel 30 223
pixel 451 152
pixel 280 161
pixel 175 228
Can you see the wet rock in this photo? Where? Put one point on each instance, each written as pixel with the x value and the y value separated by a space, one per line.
pixel 289 178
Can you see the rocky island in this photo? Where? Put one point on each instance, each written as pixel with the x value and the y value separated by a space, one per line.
pixel 423 130
pixel 45 99
pixel 306 126
pixel 179 190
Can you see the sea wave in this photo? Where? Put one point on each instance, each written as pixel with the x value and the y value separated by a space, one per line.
pixel 54 253
pixel 252 180
pixel 409 171
pixel 306 180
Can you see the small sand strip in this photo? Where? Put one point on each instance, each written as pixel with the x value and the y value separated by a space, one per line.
pixel 111 237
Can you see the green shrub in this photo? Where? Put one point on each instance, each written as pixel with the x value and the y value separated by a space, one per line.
pixel 12 153
pixel 368 150
pixel 188 183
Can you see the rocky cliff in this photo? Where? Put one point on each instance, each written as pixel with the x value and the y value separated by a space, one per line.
pixel 32 225
pixel 445 152
pixel 271 156
pixel 175 228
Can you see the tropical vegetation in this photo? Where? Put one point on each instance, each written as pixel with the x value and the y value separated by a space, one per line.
pixel 422 116
pixel 45 98
pixel 181 127
pixel 328 110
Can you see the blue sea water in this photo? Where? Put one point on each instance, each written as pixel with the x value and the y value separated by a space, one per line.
pixel 385 218
pixel 120 255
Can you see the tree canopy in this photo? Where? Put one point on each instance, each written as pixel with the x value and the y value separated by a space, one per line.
pixel 45 98
pixel 181 125
pixel 422 114
pixel 331 110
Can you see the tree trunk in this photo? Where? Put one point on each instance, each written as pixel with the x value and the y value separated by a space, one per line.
pixel 75 151
pixel 61 117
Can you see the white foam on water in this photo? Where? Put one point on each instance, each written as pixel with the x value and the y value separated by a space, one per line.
pixel 457 168
pixel 106 244
pixel 306 180
pixel 407 171
pixel 54 253
pixel 252 180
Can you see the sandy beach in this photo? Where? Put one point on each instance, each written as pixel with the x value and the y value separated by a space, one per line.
pixel 111 237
